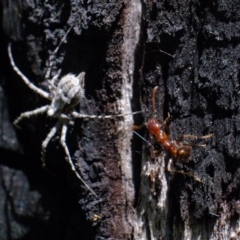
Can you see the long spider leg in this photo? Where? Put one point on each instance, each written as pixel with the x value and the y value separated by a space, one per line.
pixel 30 113
pixel 24 78
pixel 47 140
pixel 78 115
pixel 47 76
pixel 149 144
pixel 63 143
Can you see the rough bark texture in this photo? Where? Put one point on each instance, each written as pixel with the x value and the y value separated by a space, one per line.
pixel 200 88
pixel 120 44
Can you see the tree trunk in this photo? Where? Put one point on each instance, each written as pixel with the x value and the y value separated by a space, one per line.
pixel 190 51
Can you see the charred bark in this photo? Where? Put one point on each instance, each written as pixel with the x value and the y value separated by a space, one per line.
pixel 190 50
pixel 200 88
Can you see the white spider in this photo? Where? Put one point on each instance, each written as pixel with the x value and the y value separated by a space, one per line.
pixel 64 96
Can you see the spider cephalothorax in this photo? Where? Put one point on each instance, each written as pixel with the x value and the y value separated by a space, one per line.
pixel 67 94
pixel 64 96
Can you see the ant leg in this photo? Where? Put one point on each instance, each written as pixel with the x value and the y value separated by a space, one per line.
pixel 167 120
pixel 166 124
pixel 194 137
pixel 30 113
pixel 135 127
pixel 24 78
pixel 170 170
pixel 199 145
pixel 197 137
pixel 63 143
pixel 47 140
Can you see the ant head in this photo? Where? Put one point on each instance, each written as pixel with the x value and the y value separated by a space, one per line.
pixel 153 126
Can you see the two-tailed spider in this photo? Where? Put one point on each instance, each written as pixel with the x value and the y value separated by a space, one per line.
pixel 179 150
pixel 64 93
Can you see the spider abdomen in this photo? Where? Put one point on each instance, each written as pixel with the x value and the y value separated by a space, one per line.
pixel 70 89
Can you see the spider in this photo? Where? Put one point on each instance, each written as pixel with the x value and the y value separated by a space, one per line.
pixel 64 96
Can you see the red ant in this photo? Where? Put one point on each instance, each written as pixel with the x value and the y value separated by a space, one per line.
pixel 179 150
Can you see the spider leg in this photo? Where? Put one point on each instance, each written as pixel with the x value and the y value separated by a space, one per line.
pixel 79 115
pixel 47 140
pixel 47 76
pixel 24 78
pixel 63 143
pixel 52 88
pixel 30 113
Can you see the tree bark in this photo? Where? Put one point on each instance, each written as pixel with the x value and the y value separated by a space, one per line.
pixel 190 51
